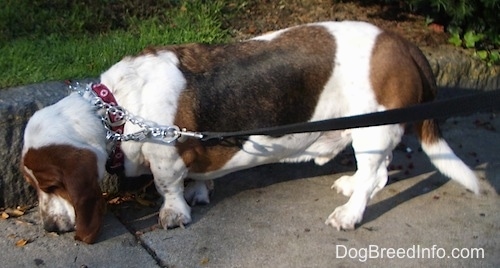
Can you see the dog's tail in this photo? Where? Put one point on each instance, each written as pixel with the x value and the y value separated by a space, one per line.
pixel 443 158
pixel 440 154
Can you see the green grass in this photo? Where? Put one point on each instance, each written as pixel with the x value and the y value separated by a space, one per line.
pixel 84 44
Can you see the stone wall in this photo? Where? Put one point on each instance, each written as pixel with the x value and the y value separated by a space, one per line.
pixel 452 68
pixel 16 106
pixel 455 68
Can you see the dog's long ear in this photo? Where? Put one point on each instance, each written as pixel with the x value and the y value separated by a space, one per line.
pixel 40 176
pixel 85 193
pixel 71 173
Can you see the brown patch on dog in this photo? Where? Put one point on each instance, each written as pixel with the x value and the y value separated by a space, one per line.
pixel 428 131
pixel 201 157
pixel 401 76
pixel 196 155
pixel 198 58
pixel 394 75
pixel 313 60
pixel 72 174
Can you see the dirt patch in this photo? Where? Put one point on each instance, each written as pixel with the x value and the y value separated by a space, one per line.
pixel 256 17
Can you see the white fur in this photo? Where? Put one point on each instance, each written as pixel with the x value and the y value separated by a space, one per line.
pixel 61 124
pixel 60 213
pixel 372 146
pixel 350 83
pixel 198 192
pixel 270 35
pixel 149 87
pixel 56 212
pixel 349 86
pixel 71 121
pixel 133 73
pixel 450 165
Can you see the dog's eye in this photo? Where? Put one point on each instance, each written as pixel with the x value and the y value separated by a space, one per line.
pixel 49 189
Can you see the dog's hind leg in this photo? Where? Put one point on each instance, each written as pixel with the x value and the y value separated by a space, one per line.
pixel 198 191
pixel 372 147
pixel 345 184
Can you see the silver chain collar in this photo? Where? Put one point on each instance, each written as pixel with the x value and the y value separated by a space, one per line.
pixel 167 134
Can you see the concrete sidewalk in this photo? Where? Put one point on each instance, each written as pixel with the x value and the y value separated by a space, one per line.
pixel 273 216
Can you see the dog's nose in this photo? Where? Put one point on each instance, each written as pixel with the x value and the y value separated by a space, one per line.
pixel 58 224
pixel 50 226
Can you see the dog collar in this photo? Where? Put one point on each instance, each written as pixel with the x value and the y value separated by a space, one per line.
pixel 117 124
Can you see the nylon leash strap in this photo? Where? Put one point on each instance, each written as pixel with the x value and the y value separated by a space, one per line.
pixel 446 108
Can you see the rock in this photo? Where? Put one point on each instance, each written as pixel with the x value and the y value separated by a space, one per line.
pixel 16 107
pixel 454 68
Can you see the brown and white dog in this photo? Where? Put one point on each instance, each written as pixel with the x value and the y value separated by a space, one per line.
pixel 304 73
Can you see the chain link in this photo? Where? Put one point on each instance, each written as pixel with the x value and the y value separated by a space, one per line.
pixel 167 134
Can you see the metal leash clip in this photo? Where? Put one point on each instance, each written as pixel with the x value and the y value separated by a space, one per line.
pixel 166 134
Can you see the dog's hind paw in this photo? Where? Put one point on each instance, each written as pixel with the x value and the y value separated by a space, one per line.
pixel 343 219
pixel 344 185
pixel 198 192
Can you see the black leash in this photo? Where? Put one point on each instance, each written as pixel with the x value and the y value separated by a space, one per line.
pixel 437 109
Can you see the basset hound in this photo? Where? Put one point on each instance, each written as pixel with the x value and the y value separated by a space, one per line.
pixel 304 73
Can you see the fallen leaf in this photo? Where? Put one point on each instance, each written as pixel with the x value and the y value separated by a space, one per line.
pixel 115 201
pixel 204 261
pixel 14 212
pixel 23 222
pixel 23 208
pixel 53 234
pixel 21 242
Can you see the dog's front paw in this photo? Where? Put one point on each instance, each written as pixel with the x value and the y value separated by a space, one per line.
pixel 343 219
pixel 198 192
pixel 344 185
pixel 174 214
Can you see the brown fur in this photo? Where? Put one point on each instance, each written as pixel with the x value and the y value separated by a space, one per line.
pixel 412 83
pixel 198 58
pixel 396 81
pixel 72 174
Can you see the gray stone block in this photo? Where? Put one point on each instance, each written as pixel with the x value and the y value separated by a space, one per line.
pixel 16 107
pixel 454 68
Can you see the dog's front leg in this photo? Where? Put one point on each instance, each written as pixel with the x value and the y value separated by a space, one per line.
pixel 169 181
